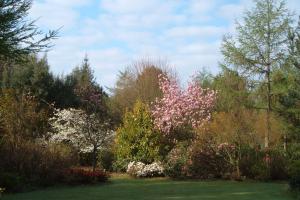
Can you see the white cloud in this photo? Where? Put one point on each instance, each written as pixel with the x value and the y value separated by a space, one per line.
pixel 195 31
pixel 185 32
pixel 231 11
pixel 136 6
pixel 54 14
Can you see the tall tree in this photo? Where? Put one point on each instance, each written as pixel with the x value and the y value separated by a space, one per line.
pixel 91 95
pixel 138 82
pixel 233 91
pixel 287 87
pixel 260 45
pixel 20 37
pixel 31 77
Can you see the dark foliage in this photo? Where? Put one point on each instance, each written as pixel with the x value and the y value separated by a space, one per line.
pixel 77 176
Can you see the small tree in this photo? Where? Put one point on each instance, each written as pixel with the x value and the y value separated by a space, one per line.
pixel 136 139
pixel 22 116
pixel 178 108
pixel 84 131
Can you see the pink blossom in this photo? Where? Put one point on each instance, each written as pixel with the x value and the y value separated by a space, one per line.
pixel 180 107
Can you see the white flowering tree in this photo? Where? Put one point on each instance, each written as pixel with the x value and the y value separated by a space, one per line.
pixel 86 132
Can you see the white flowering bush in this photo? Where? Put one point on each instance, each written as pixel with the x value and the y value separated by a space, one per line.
pixel 139 169
pixel 85 132
pixel 135 168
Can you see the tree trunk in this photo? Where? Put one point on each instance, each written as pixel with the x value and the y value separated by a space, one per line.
pixel 285 142
pixel 94 159
pixel 267 134
pixel 238 173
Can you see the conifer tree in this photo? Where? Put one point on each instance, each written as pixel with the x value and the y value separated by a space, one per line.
pixel 260 46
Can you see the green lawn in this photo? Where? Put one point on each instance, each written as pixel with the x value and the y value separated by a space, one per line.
pixel 152 189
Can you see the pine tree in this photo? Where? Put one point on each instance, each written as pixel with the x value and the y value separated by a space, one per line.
pixel 18 35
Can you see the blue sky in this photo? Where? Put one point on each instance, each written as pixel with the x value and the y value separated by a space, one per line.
pixel 115 33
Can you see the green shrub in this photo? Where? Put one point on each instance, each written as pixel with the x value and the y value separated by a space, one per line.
pixel 206 163
pixel 37 164
pixel 120 165
pixel 85 158
pixel 249 159
pixel 261 171
pixel 294 175
pixel 278 165
pixel 137 139
pixel 270 164
pixel 176 163
pixel 293 151
pixel 12 182
pixel 106 158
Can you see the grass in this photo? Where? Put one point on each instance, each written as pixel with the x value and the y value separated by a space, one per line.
pixel 121 187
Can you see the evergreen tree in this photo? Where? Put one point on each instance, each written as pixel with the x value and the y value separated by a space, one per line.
pixel 91 96
pixel 287 86
pixel 137 139
pixel 31 77
pixel 20 37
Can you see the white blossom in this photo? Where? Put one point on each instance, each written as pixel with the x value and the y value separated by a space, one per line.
pixel 85 132
pixel 139 169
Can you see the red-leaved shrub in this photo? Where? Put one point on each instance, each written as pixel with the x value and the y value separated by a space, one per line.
pixel 83 176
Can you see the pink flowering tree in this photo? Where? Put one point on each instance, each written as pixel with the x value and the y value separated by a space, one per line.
pixel 180 108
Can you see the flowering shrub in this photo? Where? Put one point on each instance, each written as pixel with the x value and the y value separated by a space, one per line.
pixel 153 170
pixel 176 164
pixel 86 132
pixel 139 169
pixel 82 176
pixel 178 108
pixel 135 168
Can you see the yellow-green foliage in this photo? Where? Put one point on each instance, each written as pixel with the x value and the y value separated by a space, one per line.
pixel 136 139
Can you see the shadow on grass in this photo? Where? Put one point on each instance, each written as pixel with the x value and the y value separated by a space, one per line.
pixel 161 189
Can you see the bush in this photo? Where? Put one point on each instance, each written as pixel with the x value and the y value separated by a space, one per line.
pixel 36 164
pixel 75 176
pixel 120 165
pixel 153 170
pixel 85 158
pixel 250 157
pixel 294 175
pixel 137 139
pixel 176 162
pixel 106 158
pixel 293 151
pixel 270 164
pixel 278 165
pixel 139 169
pixel 12 182
pixel 135 168
pixel 261 171
pixel 206 162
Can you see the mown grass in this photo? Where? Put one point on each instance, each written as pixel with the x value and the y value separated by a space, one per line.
pixel 121 187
